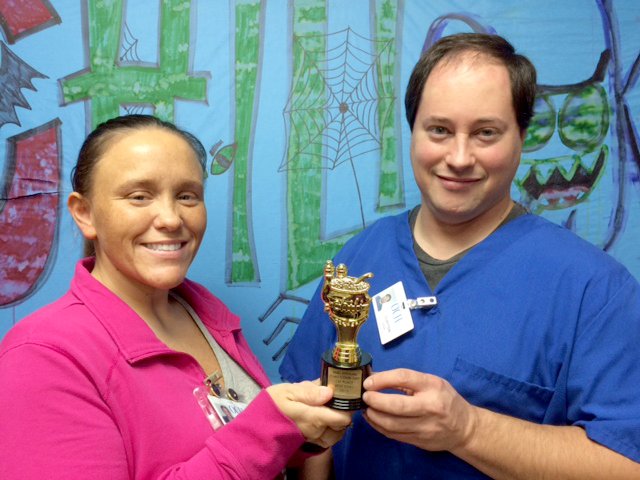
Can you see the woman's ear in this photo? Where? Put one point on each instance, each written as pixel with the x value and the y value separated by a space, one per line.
pixel 80 210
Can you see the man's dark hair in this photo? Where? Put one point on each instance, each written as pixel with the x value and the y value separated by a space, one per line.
pixel 522 73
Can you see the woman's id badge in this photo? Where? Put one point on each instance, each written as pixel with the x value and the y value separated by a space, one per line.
pixel 226 409
pixel 211 398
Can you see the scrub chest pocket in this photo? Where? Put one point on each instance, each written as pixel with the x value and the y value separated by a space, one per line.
pixel 500 393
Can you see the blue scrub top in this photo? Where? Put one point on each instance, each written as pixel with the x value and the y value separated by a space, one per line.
pixel 533 322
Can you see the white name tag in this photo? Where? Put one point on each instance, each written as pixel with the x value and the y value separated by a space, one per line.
pixel 226 409
pixel 392 313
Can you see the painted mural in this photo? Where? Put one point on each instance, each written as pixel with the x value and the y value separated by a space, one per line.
pixel 300 104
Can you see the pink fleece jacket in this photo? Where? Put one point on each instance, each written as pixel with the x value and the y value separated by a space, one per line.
pixel 88 391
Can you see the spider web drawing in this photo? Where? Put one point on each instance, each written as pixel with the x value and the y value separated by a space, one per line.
pixel 129 54
pixel 335 101
pixel 129 46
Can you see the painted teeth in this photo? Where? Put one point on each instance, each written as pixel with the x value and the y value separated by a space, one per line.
pixel 164 248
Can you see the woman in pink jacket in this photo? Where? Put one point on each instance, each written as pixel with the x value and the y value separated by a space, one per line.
pixel 100 384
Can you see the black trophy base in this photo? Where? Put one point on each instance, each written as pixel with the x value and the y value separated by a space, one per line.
pixel 346 381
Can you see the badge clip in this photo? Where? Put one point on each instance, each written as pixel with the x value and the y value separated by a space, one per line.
pixel 213 382
pixel 215 389
pixel 422 302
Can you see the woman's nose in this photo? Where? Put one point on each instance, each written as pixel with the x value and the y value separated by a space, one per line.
pixel 168 215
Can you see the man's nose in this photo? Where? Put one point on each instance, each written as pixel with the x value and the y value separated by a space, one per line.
pixel 460 156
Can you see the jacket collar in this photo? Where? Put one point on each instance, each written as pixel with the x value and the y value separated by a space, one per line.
pixel 129 331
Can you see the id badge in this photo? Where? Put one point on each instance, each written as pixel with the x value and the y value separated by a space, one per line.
pixel 392 313
pixel 219 411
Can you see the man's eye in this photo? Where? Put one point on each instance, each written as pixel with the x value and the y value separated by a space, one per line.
pixel 487 132
pixel 138 197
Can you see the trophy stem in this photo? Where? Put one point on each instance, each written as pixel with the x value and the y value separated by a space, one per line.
pixel 346 355
pixel 346 351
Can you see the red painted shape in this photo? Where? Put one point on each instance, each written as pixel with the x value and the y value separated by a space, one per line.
pixel 29 213
pixel 19 18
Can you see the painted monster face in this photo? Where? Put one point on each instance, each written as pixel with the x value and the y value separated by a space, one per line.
pixel 582 123
pixel 565 156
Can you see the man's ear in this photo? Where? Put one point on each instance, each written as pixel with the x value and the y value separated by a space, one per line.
pixel 80 210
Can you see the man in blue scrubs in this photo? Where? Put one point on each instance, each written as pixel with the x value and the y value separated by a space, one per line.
pixel 528 365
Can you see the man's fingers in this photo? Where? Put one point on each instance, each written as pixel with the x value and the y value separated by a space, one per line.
pixel 402 379
pixel 390 422
pixel 402 437
pixel 393 404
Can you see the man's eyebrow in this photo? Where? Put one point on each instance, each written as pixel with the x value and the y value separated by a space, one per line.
pixel 478 121
pixel 486 120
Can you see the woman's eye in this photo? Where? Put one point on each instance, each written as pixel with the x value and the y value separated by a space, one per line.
pixel 436 130
pixel 189 197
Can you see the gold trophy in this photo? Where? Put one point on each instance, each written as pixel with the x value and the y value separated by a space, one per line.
pixel 346 300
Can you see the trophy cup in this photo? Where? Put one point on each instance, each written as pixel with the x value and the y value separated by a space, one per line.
pixel 346 300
